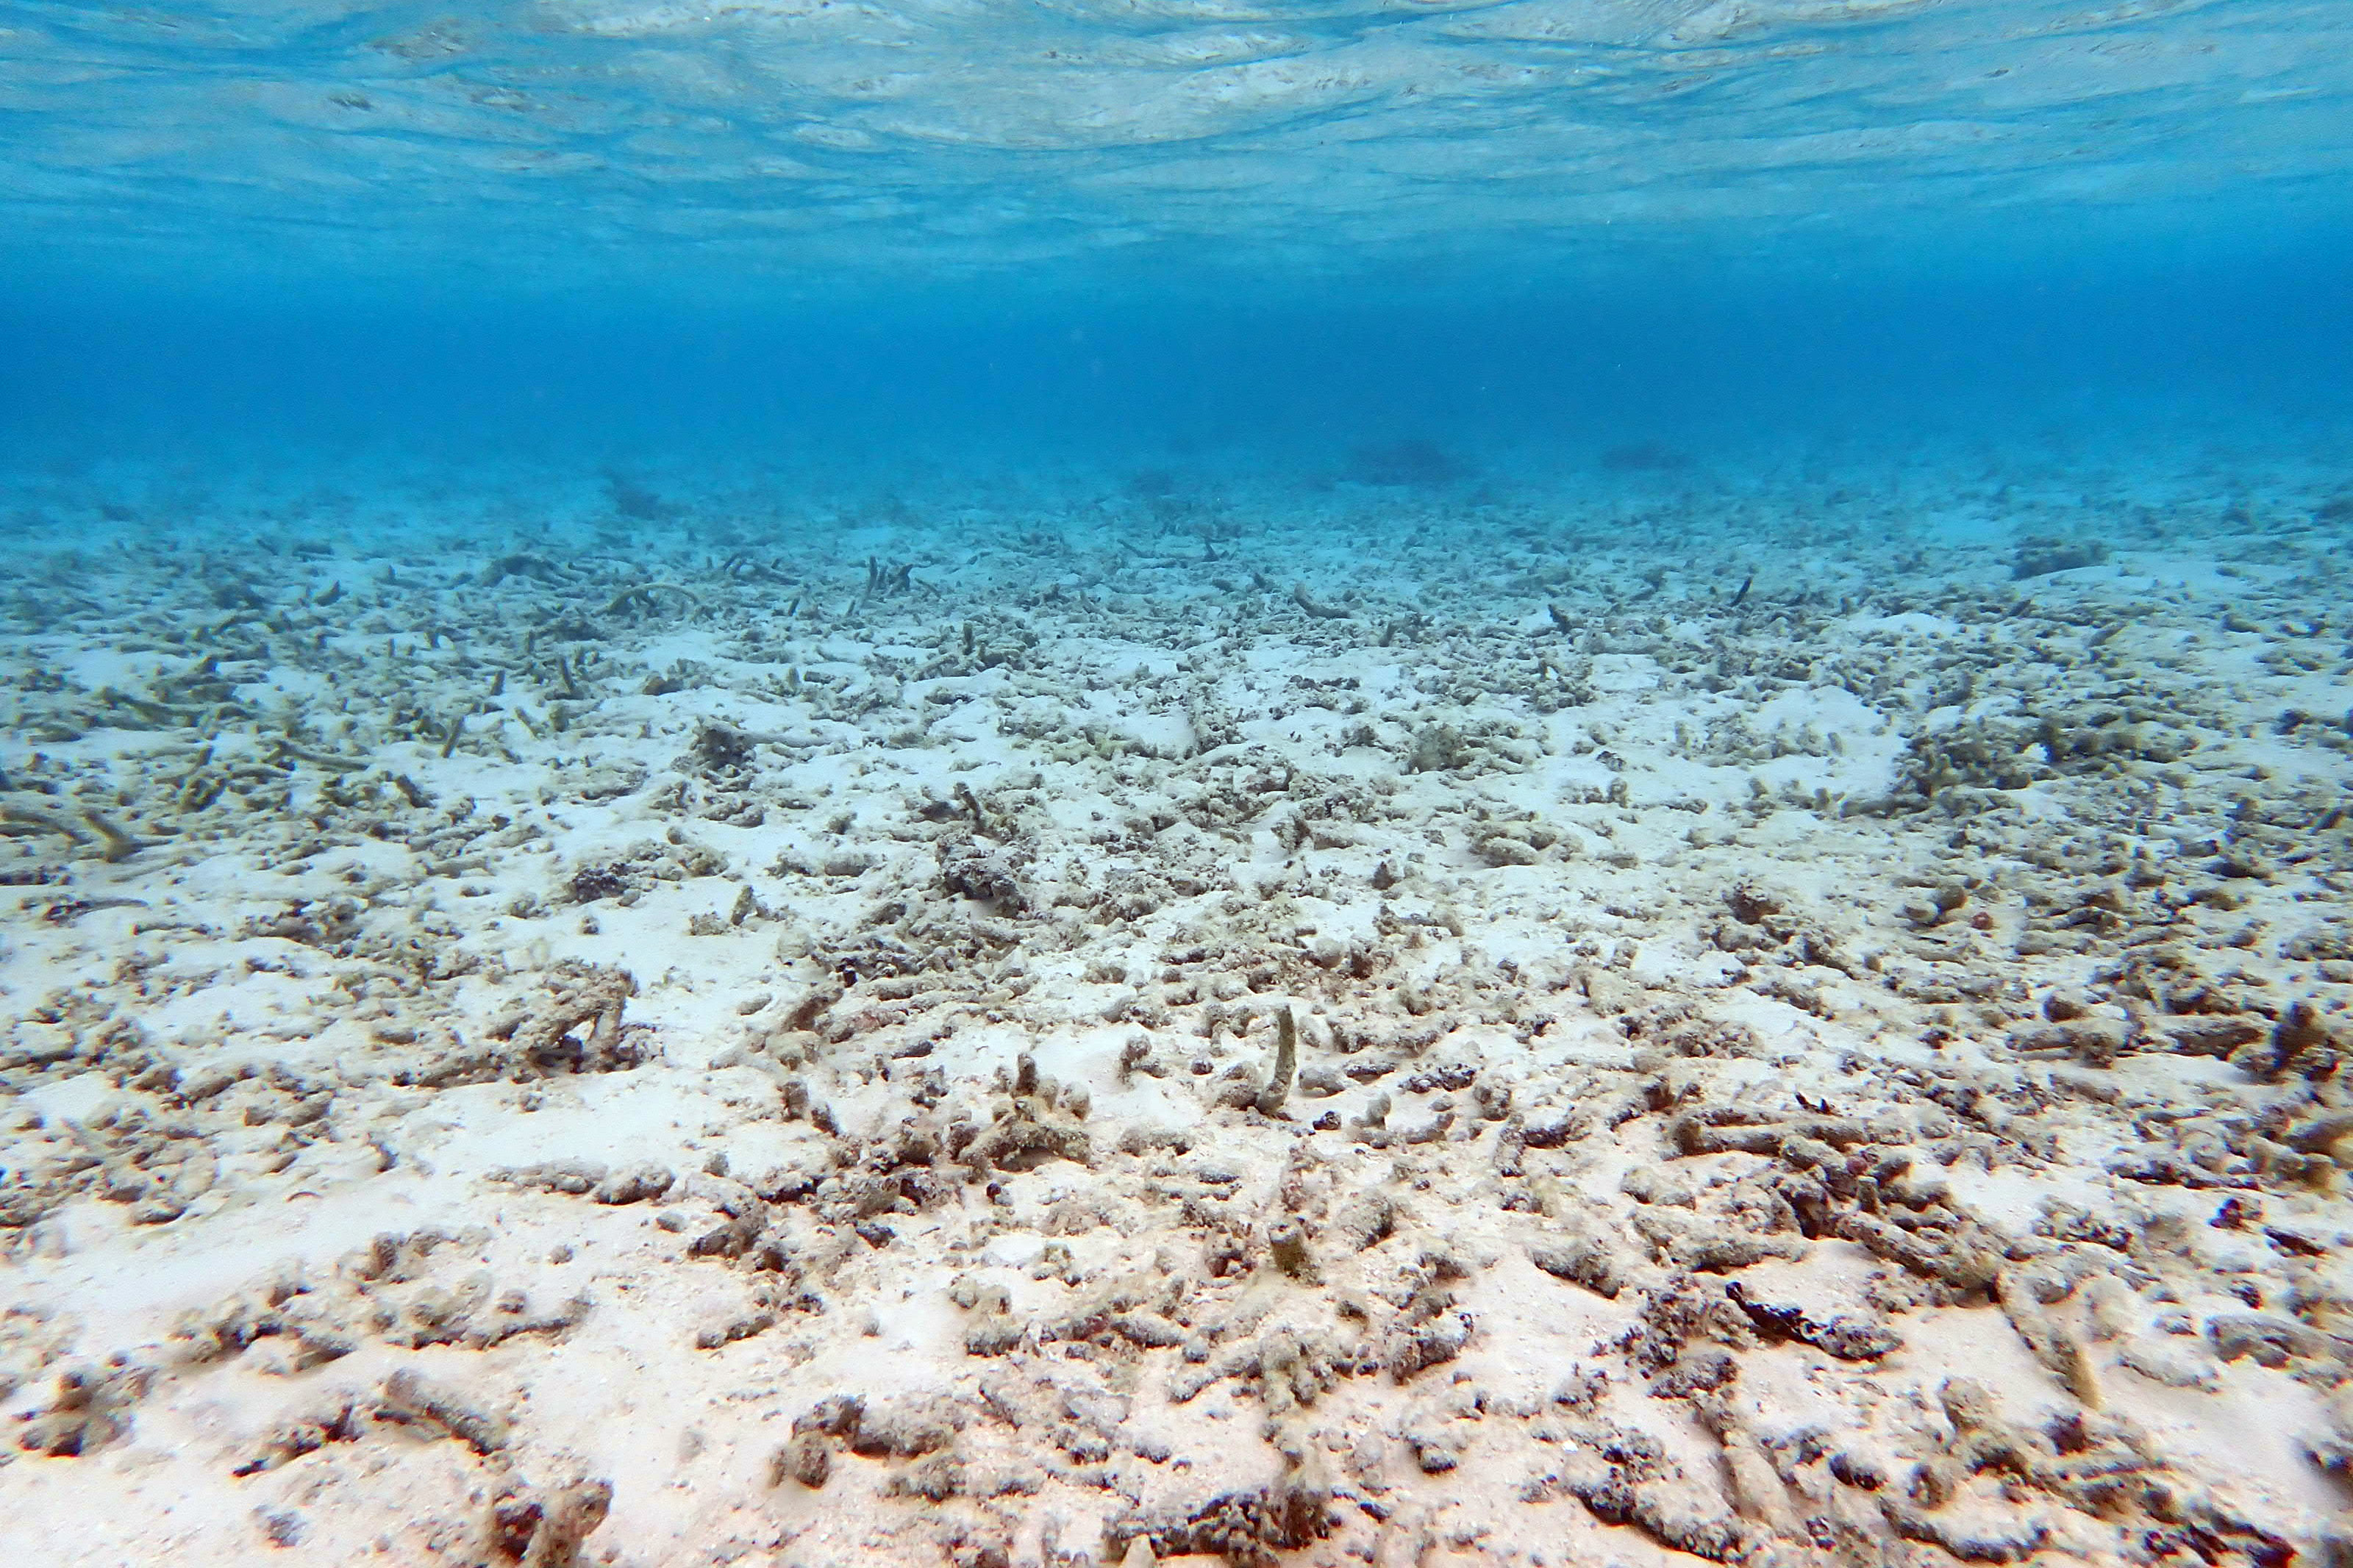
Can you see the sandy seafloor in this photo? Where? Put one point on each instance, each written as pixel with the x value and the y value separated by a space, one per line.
pixel 706 1020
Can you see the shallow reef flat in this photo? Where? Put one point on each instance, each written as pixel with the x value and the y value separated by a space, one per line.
pixel 1413 1022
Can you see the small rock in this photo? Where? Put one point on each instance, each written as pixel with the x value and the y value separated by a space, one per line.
pixel 634 1183
pixel 808 1459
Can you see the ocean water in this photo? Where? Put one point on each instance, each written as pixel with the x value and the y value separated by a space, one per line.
pixel 1240 235
pixel 822 784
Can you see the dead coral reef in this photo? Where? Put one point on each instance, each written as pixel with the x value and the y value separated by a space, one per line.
pixel 1128 1029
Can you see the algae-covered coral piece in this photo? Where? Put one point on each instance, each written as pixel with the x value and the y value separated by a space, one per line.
pixel 546 1529
pixel 1247 1529
pixel 1025 1135
pixel 1277 1089
pixel 639 867
pixel 2043 554
pixel 1437 748
pixel 88 1409
pixel 573 1025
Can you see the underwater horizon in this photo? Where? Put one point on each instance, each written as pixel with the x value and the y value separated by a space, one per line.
pixel 817 784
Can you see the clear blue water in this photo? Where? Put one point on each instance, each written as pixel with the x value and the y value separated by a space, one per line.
pixel 1191 233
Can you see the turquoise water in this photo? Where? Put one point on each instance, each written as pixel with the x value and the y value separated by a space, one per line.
pixel 1168 233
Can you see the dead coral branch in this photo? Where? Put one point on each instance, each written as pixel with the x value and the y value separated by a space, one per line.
pixel 1306 601
pixel 19 821
pixel 640 600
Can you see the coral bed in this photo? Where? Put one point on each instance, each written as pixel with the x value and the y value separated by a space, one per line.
pixel 854 1038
